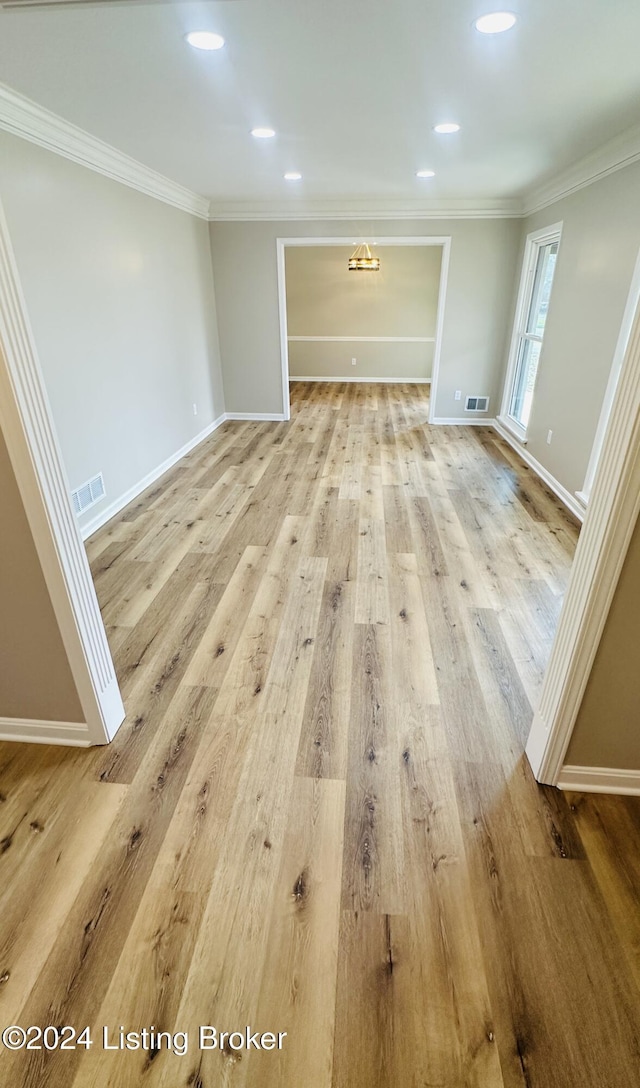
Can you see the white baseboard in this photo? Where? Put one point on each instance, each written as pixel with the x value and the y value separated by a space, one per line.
pixel 461 421
pixel 261 417
pixel 599 780
pixel 75 734
pixel 565 496
pixel 110 511
pixel 370 381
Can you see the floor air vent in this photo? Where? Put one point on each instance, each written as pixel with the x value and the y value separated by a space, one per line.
pixel 88 494
pixel 476 404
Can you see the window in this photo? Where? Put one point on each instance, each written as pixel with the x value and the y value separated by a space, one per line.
pixel 531 317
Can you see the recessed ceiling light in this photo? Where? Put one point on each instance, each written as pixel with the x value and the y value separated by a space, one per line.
pixel 263 133
pixel 447 126
pixel 204 39
pixel 293 175
pixel 426 174
pixel 496 22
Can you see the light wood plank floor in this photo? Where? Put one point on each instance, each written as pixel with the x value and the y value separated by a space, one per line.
pixel 317 818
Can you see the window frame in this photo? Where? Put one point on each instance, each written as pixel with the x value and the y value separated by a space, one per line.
pixel 534 243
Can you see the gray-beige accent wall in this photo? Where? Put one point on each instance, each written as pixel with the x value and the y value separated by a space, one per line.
pixel 478 304
pixel 607 729
pixel 119 291
pixel 395 307
pixel 35 676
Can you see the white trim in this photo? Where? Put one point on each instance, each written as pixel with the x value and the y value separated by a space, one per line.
pixel 583 499
pixel 622 151
pixel 356 210
pixel 263 417
pixel 73 734
pixel 362 339
pixel 534 241
pixel 461 421
pixel 558 489
pixel 599 780
pixel 442 298
pixel 411 240
pixel 353 239
pixel 282 319
pixel 27 119
pixel 369 381
pixel 633 298
pixel 25 419
pixel 517 432
pixel 110 511
pixel 610 520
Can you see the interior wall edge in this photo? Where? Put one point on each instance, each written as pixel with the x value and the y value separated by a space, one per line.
pixel 565 496
pixel 114 507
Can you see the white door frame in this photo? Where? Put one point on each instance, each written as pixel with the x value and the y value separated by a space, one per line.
pixel 25 419
pixel 411 240
pixel 610 520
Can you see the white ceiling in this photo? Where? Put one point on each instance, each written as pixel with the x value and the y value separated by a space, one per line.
pixel 352 87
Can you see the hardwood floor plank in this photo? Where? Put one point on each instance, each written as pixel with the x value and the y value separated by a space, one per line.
pixel 606 826
pixel 373 850
pixel 206 666
pixel 150 694
pixel 372 589
pixel 298 992
pixel 322 752
pixel 64 848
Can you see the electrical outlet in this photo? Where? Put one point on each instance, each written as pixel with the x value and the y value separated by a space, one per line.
pixel 195 409
pixel 458 395
pixel 549 437
pixel 353 362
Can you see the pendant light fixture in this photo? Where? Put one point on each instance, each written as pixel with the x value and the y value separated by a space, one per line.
pixel 361 260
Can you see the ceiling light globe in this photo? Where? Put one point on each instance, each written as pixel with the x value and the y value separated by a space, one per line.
pixel 263 133
pixel 495 22
pixel 204 39
pixel 446 127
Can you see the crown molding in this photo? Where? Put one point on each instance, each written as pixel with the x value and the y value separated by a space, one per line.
pixel 361 209
pixel 617 153
pixel 22 117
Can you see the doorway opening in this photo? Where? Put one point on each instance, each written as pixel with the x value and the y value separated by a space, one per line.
pixel 371 326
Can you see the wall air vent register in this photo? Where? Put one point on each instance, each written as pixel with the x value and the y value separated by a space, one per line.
pixel 88 494
pixel 476 404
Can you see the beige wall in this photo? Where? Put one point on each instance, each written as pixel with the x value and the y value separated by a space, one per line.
pixel 607 731
pixel 325 299
pixel 119 290
pixel 376 361
pixel 35 678
pixel 598 251
pixel 478 303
